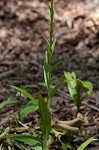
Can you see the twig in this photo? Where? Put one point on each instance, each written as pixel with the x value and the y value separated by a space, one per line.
pixel 74 122
pixel 91 106
pixel 7 74
pixel 68 128
pixel 20 129
pixel 7 130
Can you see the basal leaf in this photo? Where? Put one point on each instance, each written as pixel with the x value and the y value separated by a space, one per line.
pixel 7 102
pixel 30 140
pixel 29 107
pixel 27 94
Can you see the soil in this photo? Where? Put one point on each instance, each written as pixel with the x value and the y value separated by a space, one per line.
pixel 22 26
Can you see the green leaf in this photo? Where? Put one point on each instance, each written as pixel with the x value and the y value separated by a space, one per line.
pixel 46 74
pixel 54 90
pixel 46 71
pixel 53 68
pixel 53 46
pixel 45 116
pixel 87 85
pixel 7 102
pixel 26 94
pixel 22 69
pixel 34 142
pixel 30 85
pixel 73 87
pixel 29 107
pixel 46 39
pixel 86 143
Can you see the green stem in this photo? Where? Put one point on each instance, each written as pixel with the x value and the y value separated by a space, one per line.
pixel 45 147
pixel 48 103
pixel 50 46
pixel 51 23
pixel 21 80
pixel 47 68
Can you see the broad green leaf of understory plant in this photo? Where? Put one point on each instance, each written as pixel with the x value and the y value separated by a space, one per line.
pixel 29 107
pixel 87 85
pixel 32 141
pixel 7 102
pixel 27 94
pixel 45 116
pixel 74 87
pixel 86 143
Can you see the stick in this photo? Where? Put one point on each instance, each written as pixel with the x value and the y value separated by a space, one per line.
pixel 7 74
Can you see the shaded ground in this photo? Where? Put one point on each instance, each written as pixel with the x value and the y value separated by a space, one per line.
pixel 22 24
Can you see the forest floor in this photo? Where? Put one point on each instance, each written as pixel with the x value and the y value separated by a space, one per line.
pixel 22 24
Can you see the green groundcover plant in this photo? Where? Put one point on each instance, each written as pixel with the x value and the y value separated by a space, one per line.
pixel 23 137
